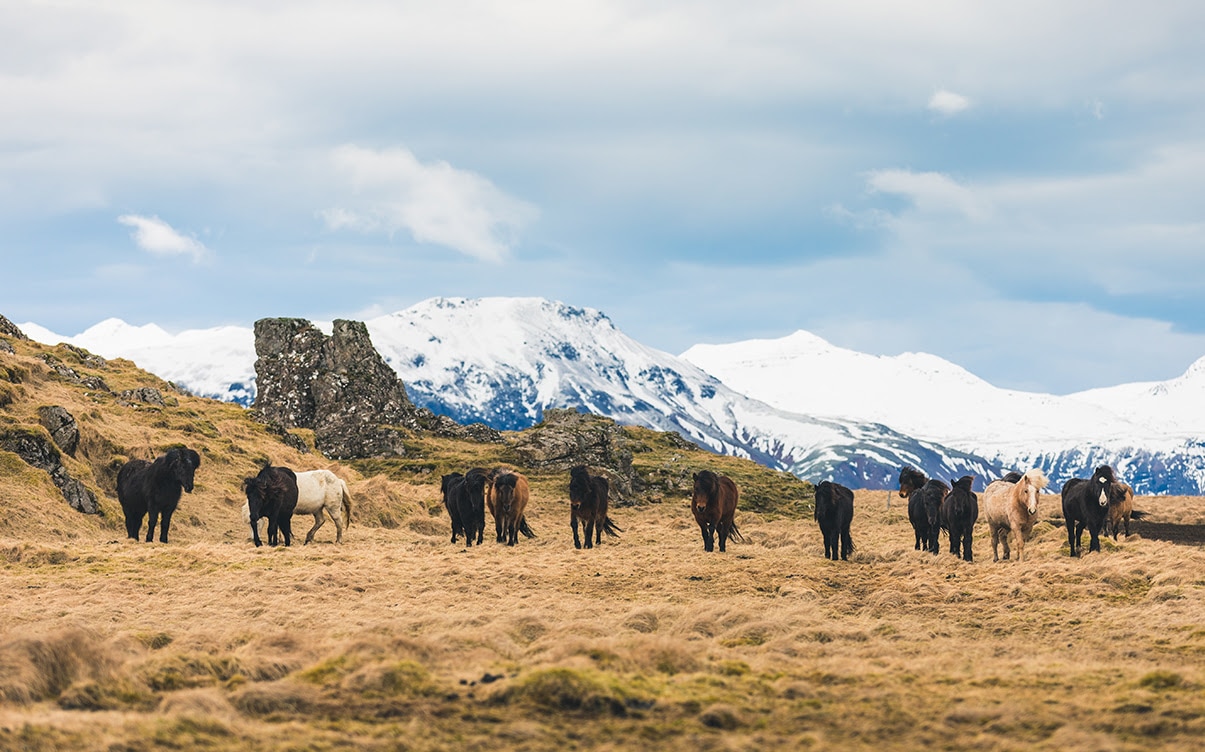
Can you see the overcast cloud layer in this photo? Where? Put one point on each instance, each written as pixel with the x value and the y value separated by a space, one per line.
pixel 1018 187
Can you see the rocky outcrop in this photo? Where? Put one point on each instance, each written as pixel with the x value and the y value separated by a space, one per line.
pixel 9 329
pixel 62 427
pixel 342 389
pixel 71 376
pixel 566 438
pixel 37 449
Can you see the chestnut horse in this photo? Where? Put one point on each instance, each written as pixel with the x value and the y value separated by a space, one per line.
pixel 521 488
pixel 1011 509
pixel 714 505
pixel 508 497
pixel 1121 511
pixel 588 500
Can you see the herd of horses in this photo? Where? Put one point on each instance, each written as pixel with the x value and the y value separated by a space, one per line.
pixel 1099 504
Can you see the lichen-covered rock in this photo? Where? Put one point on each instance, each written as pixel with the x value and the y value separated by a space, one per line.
pixel 566 438
pixel 145 395
pixel 36 448
pixel 9 329
pixel 338 386
pixel 62 427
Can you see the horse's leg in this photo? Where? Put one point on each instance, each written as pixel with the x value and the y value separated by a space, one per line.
pixel 499 527
pixel 577 543
pixel 1093 538
pixel 255 533
pixel 164 524
pixel 286 527
pixel 589 525
pixel 319 521
pixel 152 519
pixel 133 525
pixel 847 543
pixel 966 545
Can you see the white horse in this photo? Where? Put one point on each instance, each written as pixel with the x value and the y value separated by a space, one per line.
pixel 1012 508
pixel 319 491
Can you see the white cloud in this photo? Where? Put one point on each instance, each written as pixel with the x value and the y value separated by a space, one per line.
pixel 948 103
pixel 158 237
pixel 930 192
pixel 392 190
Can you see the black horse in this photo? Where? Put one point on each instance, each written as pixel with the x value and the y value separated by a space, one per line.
pixel 1086 504
pixel 154 488
pixel 446 486
pixel 466 504
pixel 272 495
pixel 924 506
pixel 834 511
pixel 959 511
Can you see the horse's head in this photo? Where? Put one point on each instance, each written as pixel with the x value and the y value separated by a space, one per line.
pixel 182 463
pixel 910 480
pixel 934 493
pixel 1029 484
pixel 255 497
pixel 504 492
pixel 706 486
pixel 1103 484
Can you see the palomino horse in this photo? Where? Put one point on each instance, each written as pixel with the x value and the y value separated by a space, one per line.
pixel 714 505
pixel 924 506
pixel 1086 504
pixel 588 500
pixel 1011 509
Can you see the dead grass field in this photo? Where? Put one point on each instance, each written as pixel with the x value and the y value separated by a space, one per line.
pixel 399 639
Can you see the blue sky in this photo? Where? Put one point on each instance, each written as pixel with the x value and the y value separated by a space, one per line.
pixel 1018 187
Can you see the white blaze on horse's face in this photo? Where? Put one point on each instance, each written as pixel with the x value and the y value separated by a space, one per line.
pixel 1032 492
pixel 1104 497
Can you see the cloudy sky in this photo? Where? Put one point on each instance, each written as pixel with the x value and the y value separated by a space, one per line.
pixel 1016 186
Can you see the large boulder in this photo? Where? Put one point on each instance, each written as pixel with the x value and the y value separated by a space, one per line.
pixel 566 438
pixel 36 448
pixel 9 329
pixel 62 427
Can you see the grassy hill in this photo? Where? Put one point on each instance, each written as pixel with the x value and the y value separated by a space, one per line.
pixel 398 639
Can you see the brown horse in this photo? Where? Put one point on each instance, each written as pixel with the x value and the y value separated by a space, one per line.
pixel 490 503
pixel 588 500
pixel 1121 511
pixel 1011 509
pixel 508 496
pixel 714 504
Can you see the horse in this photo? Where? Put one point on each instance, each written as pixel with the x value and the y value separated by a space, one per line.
pixel 834 511
pixel 273 495
pixel 959 511
pixel 924 506
pixel 588 501
pixel 1010 508
pixel 714 505
pixel 319 492
pixel 509 494
pixel 1086 504
pixel 1121 511
pixel 447 484
pixel 154 488
pixel 490 503
pixel 466 496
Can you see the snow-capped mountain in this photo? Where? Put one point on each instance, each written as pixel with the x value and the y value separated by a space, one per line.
pixel 504 360
pixel 217 363
pixel 1151 433
pixel 796 403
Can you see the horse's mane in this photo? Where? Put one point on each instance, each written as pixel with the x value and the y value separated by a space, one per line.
pixel 913 476
pixel 1106 472
pixel 1037 478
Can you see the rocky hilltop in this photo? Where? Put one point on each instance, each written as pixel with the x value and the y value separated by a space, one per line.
pixel 340 388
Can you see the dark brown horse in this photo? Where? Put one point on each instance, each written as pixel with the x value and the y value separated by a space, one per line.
pixel 714 505
pixel 509 494
pixel 588 500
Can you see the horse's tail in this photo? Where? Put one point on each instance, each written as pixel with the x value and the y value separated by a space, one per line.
pixel 610 528
pixel 736 534
pixel 525 528
pixel 1137 514
pixel 346 503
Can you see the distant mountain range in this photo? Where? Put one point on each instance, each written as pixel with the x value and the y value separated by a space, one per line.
pixel 798 404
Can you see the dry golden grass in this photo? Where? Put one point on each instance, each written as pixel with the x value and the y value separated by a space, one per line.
pixel 385 642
